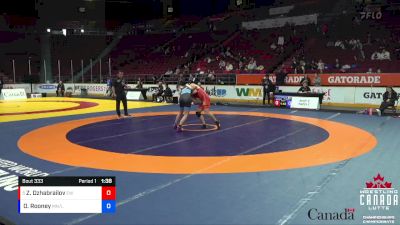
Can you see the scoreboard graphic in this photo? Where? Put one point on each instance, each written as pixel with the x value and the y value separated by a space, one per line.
pixel 66 195
pixel 284 101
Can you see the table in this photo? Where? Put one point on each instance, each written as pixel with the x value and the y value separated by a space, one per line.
pixel 298 100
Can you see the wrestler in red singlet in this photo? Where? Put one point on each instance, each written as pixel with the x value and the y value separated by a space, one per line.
pixel 205 99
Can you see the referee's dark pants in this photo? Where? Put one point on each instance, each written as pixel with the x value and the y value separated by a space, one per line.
pixel 118 100
pixel 385 105
pixel 266 95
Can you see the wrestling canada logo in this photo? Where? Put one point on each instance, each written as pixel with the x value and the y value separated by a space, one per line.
pixel 379 196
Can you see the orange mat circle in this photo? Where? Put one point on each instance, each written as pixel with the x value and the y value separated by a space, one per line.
pixel 344 142
pixel 210 127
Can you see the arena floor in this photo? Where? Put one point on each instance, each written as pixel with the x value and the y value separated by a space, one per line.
pixel 265 166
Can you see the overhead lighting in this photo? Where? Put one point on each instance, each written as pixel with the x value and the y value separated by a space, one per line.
pixel 48 30
pixel 64 32
pixel 82 31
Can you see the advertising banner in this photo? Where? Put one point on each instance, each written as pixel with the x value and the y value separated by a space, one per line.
pixel 13 94
pixel 331 79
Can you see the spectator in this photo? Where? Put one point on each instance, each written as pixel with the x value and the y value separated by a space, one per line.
pixel 369 71
pixel 340 44
pixel 368 39
pixel 376 56
pixel 222 64
pixel 389 99
pixel 260 68
pixel 252 65
pixel 154 79
pixel 159 92
pixel 240 65
pixel 305 79
pixel 313 65
pixel 295 64
pixel 317 80
pixel 385 54
pixel 228 52
pixel 167 94
pixel 169 72
pixel 178 70
pixel 211 77
pixel 60 89
pixel 167 51
pixel 345 68
pixel 353 43
pixel 321 66
pixel 325 29
pixel 186 69
pixel 139 83
pixel 229 67
pixel 337 64
pixel 397 52
pixel 273 46
pixel 304 88
pixel 109 87
pixel 378 70
pixel 1 83
pixel 302 66
pixel 281 40
pixel 280 77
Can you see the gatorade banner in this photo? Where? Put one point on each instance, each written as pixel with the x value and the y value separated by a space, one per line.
pixel 332 79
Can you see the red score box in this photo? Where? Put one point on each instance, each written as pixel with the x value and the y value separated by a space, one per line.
pixel 108 193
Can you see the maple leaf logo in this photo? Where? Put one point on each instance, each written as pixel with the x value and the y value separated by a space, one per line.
pixel 378 183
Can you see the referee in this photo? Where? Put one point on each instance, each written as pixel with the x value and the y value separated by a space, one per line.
pixel 268 88
pixel 118 89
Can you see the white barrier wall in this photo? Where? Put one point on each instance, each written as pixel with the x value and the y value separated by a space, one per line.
pixel 349 95
pixel 74 88
pixel 26 87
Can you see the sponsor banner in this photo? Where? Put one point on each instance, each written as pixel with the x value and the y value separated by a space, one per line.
pixel 334 79
pixel 371 12
pixel 134 95
pixel 299 102
pixel 91 88
pixel 13 94
pixel 45 88
pixel 345 215
pixel 243 92
pixel 380 197
pixel 26 87
pixel 280 22
pixel 10 170
pixel 280 10
pixel 348 95
pixel 333 94
pixel 74 88
pixel 370 95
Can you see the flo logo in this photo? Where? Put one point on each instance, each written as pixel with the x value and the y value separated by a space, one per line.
pixel 216 92
pixel 379 194
pixel 346 214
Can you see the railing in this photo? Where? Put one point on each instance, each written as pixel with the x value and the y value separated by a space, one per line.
pixel 89 71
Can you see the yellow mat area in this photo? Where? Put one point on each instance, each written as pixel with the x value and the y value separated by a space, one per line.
pixel 32 107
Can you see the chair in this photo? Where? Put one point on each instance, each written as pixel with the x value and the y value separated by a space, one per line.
pixel 393 108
